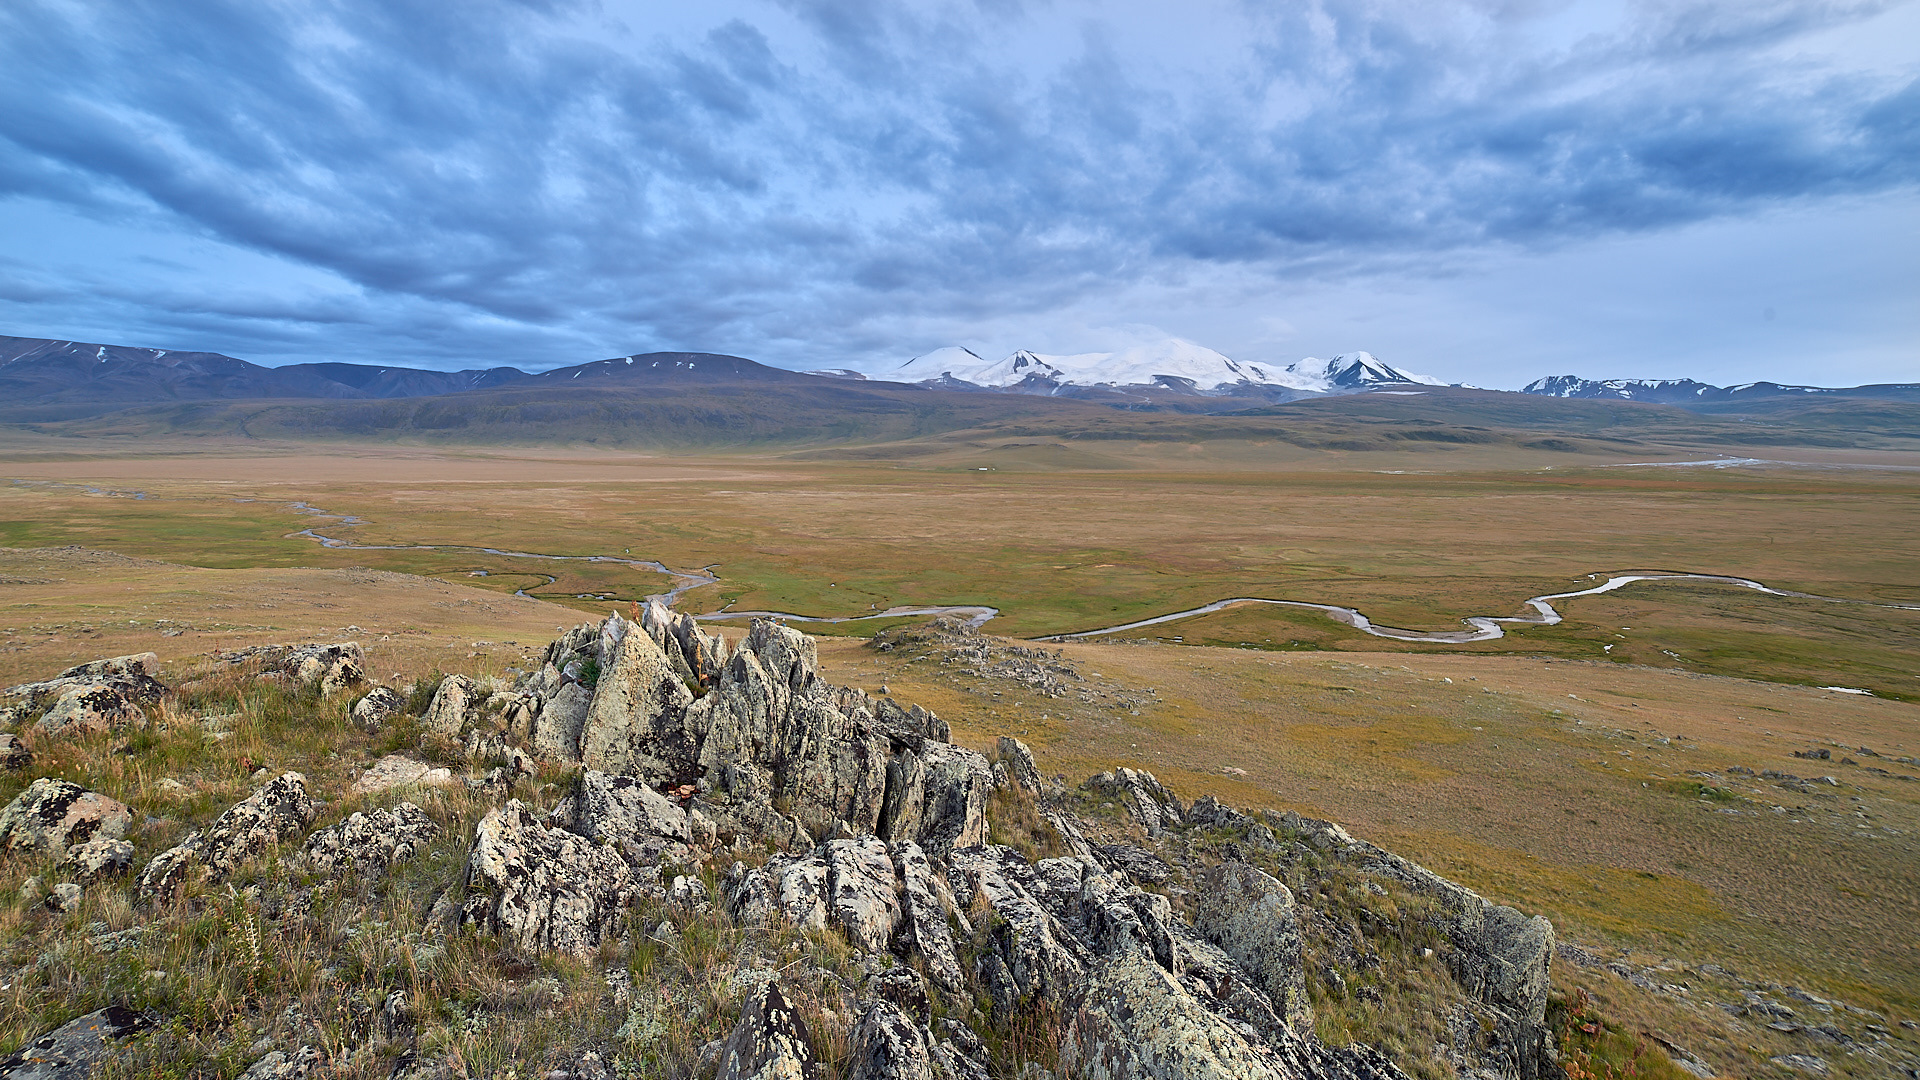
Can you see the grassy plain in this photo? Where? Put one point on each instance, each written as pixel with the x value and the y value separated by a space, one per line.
pixel 1551 771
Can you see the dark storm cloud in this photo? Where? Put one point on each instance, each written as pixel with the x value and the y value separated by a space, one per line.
pixel 795 180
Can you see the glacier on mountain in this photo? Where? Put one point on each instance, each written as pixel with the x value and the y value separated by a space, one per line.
pixel 1173 364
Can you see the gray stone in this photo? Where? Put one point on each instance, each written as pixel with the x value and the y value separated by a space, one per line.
pixel 770 1042
pixel 279 811
pixel 543 888
pixel 456 707
pixel 610 809
pixel 73 1050
pixel 1021 767
pixel 53 815
pixel 1133 1021
pixel 280 1065
pixel 91 707
pixel 97 859
pixel 14 753
pixel 845 883
pixel 375 709
pixel 1251 917
pixel 64 897
pixel 399 770
pixel 562 719
pixel 370 841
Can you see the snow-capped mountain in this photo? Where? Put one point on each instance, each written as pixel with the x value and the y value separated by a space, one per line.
pixel 1573 386
pixel 1172 365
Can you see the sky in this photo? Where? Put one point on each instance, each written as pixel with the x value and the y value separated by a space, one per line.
pixel 1487 191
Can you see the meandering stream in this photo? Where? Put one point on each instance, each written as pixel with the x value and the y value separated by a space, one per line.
pixel 1540 611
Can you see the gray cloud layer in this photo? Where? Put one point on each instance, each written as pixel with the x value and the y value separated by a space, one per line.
pixel 539 182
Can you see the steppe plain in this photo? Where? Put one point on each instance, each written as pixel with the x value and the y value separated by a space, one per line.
pixel 1588 771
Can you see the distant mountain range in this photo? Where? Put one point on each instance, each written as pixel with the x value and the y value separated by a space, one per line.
pixel 1689 392
pixel 43 380
pixel 1140 373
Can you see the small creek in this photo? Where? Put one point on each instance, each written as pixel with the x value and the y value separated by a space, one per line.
pixel 1540 610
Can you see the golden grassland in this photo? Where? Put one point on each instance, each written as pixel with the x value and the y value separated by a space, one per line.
pixel 1551 772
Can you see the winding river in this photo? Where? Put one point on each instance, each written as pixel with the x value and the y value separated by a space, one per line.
pixel 1539 609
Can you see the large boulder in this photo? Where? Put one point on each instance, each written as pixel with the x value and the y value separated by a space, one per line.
pixel 936 796
pixel 541 887
pixel 279 811
pixel 399 770
pixel 844 883
pixel 770 1042
pixel 925 902
pixel 53 815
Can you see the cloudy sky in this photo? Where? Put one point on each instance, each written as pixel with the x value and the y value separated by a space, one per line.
pixel 1486 191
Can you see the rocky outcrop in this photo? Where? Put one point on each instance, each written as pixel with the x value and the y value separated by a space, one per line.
pixel 1133 1020
pixel 74 1049
pixel 773 752
pixel 279 811
pixel 54 815
pixel 770 1042
pixel 370 841
pixel 541 887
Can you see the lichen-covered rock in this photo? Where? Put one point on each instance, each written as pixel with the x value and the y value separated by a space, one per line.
pixel 91 696
pixel 541 887
pixel 887 1045
pixel 770 1042
pixel 861 891
pixel 1020 765
pixel 925 916
pixel 281 1065
pixel 455 708
pixel 279 811
pixel 634 722
pixel 72 1050
pixel 937 797
pixel 694 654
pixel 845 883
pixel 370 841
pixel 558 726
pixel 52 815
pixel 1133 1021
pixel 611 809
pixel 380 704
pixel 97 859
pixel 1251 916
pixel 1034 952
